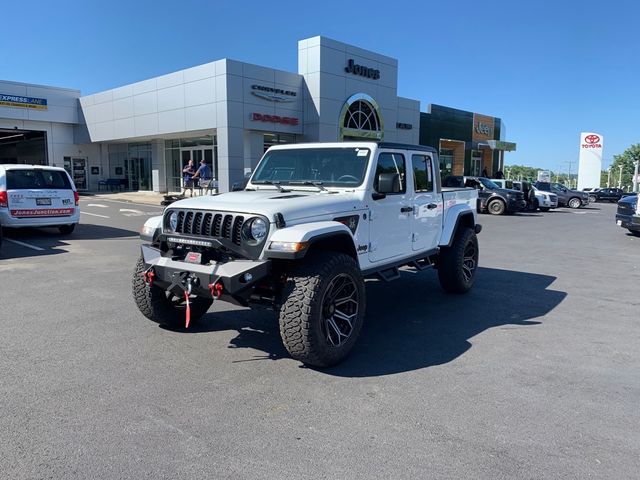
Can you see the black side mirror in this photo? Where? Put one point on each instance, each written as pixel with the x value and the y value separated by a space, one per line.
pixel 388 183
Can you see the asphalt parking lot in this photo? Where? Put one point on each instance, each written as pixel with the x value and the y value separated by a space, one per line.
pixel 534 374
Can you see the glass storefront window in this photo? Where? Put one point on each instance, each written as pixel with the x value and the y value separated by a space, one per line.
pixel 271 139
pixel 178 152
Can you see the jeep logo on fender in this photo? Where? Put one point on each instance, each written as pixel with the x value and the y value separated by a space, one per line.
pixel 361 70
pixel 591 141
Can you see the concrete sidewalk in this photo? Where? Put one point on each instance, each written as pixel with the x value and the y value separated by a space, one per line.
pixel 149 198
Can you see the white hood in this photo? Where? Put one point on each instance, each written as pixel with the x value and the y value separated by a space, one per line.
pixel 293 204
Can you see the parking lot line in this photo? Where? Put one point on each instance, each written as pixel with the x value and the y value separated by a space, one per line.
pixel 149 205
pixel 18 242
pixel 94 214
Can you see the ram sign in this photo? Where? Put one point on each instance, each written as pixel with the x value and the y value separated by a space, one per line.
pixel 590 162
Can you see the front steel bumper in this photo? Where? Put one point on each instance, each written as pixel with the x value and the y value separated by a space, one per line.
pixel 236 276
pixel 630 222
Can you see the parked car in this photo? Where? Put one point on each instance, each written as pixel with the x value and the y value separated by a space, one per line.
pixel 312 223
pixel 38 196
pixel 566 197
pixel 607 194
pixel 491 198
pixel 543 201
pixel 628 214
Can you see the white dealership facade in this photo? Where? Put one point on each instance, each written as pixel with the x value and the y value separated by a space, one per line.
pixel 226 112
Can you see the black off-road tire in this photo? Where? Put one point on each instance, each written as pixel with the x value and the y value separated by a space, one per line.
pixel 156 305
pixel 304 311
pixel 67 229
pixel 496 207
pixel 458 264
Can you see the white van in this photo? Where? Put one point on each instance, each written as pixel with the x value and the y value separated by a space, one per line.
pixel 38 196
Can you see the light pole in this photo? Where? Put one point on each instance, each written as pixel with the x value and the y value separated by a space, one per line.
pixel 635 176
pixel 609 177
pixel 620 178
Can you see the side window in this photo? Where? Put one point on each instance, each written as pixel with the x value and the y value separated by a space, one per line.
pixel 422 173
pixel 391 163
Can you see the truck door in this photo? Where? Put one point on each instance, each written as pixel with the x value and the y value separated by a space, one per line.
pixel 427 204
pixel 391 214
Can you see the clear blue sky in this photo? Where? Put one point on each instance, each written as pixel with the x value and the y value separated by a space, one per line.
pixel 549 69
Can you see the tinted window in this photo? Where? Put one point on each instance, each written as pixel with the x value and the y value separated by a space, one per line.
pixel 422 173
pixel 391 163
pixel 453 182
pixel 37 178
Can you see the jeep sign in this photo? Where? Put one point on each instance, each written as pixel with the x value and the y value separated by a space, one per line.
pixel 361 70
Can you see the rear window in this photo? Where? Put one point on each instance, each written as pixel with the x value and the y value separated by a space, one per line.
pixel 37 178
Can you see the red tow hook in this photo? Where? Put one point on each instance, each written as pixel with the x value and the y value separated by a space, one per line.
pixel 148 276
pixel 216 289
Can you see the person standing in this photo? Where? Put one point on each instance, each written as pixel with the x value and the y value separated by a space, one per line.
pixel 203 174
pixel 188 173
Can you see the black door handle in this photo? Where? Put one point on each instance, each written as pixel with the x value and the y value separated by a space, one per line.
pixel 431 206
pixel 406 209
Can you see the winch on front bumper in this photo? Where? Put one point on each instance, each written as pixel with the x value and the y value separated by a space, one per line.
pixel 213 279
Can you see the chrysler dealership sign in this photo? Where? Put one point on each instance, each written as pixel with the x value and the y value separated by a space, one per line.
pixel 590 162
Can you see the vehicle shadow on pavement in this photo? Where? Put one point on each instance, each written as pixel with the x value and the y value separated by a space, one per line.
pixel 414 324
pixel 53 242
pixel 410 323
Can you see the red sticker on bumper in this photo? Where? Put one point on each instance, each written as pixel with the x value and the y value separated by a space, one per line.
pixel 42 212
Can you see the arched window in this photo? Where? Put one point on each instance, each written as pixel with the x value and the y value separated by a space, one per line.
pixel 360 118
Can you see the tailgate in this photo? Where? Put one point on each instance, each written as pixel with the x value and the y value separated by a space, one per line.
pixel 39 192
pixel 41 203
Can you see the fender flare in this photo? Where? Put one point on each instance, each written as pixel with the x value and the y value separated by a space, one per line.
pixel 308 234
pixel 463 214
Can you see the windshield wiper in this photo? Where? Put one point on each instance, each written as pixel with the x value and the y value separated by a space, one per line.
pixel 309 182
pixel 269 182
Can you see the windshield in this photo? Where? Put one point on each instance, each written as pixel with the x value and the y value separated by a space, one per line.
pixel 488 183
pixel 332 167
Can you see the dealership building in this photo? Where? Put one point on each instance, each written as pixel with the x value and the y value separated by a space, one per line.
pixel 139 136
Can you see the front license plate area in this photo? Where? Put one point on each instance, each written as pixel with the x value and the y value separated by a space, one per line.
pixel 193 257
pixel 619 223
pixel 43 201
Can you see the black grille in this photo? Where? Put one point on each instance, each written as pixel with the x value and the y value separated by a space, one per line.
pixel 210 224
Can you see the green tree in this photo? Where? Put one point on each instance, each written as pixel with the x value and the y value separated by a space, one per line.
pixel 626 160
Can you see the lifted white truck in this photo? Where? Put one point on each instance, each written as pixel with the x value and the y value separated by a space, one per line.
pixel 314 221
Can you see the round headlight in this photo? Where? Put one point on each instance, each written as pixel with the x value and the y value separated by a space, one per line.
pixel 258 229
pixel 173 221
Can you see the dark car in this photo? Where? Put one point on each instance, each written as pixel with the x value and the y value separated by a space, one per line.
pixel 628 215
pixel 566 197
pixel 607 194
pixel 491 198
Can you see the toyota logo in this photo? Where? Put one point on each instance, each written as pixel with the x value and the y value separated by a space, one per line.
pixel 592 139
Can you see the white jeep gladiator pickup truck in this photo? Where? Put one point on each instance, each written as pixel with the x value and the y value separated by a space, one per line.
pixel 313 222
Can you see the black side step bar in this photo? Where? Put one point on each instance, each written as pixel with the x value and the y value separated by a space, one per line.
pixel 422 264
pixel 389 274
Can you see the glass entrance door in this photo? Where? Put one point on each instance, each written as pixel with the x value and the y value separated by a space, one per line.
pixel 138 167
pixel 197 154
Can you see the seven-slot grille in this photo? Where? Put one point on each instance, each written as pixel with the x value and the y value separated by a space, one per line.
pixel 210 224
